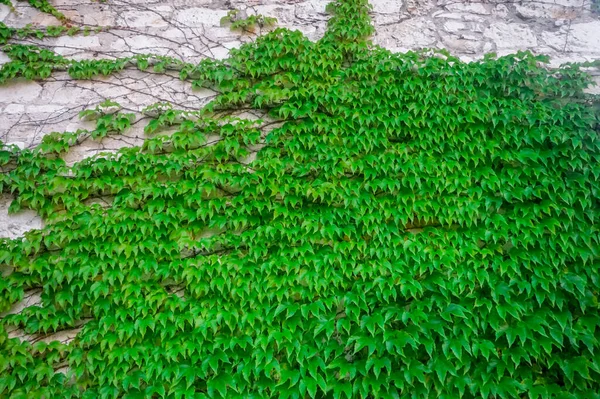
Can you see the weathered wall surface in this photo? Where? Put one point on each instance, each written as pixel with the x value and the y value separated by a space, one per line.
pixel 566 30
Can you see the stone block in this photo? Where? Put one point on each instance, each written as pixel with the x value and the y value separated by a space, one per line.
pixel 387 6
pixel 454 26
pixel 511 36
pixel 312 10
pixel 15 225
pixel 461 45
pixel 470 8
pixel 411 34
pixel 14 109
pixel 20 91
pixel 585 38
pixel 142 19
pixel 4 11
pixel 44 109
pixel 99 18
pixel 197 16
pixel 71 44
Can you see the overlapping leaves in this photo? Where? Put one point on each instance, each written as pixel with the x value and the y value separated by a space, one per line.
pixel 413 226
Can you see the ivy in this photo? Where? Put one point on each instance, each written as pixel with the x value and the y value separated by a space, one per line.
pixel 32 62
pixel 395 225
pixel 7 33
pixel 41 5
pixel 236 21
pixel 47 7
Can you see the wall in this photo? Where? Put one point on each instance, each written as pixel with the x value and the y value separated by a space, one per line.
pixel 566 30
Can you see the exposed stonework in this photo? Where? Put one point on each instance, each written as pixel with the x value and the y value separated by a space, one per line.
pixel 34 298
pixel 15 225
pixel 566 30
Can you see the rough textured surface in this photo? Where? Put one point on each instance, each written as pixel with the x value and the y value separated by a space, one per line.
pixel 564 29
pixel 14 225
pixel 34 298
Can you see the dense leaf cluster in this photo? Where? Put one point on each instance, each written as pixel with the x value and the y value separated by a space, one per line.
pixel 413 226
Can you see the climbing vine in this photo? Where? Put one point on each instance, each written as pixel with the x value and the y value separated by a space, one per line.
pixel 236 20
pixel 7 33
pixel 393 226
pixel 41 5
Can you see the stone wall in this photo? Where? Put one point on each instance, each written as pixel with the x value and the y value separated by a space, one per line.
pixel 567 30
